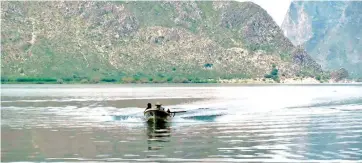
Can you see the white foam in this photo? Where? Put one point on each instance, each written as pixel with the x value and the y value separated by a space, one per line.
pixel 223 104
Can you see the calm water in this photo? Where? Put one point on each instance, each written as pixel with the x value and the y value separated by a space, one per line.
pixel 222 123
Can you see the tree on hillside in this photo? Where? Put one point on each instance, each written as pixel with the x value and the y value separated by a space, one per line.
pixel 339 75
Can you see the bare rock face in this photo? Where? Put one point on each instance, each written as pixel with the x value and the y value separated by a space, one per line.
pixel 178 39
pixel 330 31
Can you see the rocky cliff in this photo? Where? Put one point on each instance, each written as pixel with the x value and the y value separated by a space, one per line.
pixel 93 40
pixel 330 31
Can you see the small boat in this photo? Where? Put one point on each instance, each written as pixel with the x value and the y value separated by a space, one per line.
pixel 156 116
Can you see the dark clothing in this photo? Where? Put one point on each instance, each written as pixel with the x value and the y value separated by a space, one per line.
pixel 149 106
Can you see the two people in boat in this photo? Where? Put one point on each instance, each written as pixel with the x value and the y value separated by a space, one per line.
pixel 158 107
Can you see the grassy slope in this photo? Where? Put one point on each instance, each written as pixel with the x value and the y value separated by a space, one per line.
pixel 142 40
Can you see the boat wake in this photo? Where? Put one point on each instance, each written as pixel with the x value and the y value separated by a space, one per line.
pixel 201 112
pixel 223 105
pixel 231 112
pixel 191 116
pixel 231 124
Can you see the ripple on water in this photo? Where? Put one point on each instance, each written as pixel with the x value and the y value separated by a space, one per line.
pixel 229 128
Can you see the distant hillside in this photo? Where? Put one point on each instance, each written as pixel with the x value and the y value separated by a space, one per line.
pixel 152 41
pixel 330 31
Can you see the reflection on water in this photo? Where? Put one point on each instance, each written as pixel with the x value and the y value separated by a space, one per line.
pixel 250 124
pixel 158 135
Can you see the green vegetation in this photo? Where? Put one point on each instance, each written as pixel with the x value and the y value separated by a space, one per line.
pixel 323 77
pixel 137 42
pixel 208 65
pixel 137 78
pixel 273 74
pixel 28 80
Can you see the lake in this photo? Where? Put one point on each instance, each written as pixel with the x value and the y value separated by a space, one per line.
pixel 223 123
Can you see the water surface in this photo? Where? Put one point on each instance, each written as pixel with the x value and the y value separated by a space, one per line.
pixel 223 123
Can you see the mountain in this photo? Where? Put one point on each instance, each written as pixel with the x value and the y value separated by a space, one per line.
pixel 145 41
pixel 330 31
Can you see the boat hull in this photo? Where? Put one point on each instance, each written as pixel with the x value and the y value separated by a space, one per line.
pixel 156 116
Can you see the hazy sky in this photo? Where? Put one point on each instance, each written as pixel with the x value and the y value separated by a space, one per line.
pixel 276 8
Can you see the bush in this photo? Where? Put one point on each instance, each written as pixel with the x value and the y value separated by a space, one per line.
pixel 169 79
pixel 49 80
pixel 208 65
pixel 196 80
pixel 137 77
pixel 274 74
pixel 4 79
pixel 67 79
pixel 75 76
pixel 190 78
pixel 39 80
pixel 108 80
pixel 161 75
pixel 150 79
pixel 268 76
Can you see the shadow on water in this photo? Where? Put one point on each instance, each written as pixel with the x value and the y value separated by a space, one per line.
pixel 158 134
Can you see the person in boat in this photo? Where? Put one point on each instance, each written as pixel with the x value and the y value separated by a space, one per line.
pixel 149 106
pixel 159 106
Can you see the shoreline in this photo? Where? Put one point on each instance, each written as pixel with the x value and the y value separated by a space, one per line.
pixel 224 82
pixel 253 81
pixel 287 81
